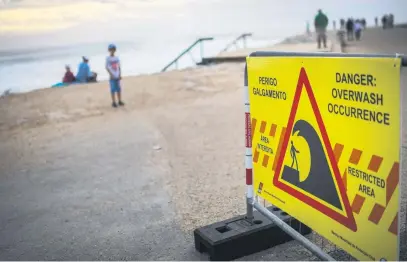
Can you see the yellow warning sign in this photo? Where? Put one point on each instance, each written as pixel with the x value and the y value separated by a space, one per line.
pixel 326 145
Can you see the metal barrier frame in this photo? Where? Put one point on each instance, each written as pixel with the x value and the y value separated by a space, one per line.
pixel 251 201
pixel 175 61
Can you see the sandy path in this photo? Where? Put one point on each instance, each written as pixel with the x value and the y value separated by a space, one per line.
pixel 82 180
pixel 205 147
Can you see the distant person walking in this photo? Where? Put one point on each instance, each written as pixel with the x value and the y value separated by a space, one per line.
pixel 384 21
pixel 376 21
pixel 334 24
pixel 321 22
pixel 114 70
pixel 349 29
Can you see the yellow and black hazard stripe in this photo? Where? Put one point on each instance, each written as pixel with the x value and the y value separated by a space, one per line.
pixel 357 203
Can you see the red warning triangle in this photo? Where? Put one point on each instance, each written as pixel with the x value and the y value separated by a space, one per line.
pixel 347 220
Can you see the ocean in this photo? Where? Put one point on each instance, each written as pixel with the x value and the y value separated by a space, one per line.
pixel 39 37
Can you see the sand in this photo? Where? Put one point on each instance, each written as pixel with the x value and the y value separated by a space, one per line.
pixel 176 147
pixel 181 105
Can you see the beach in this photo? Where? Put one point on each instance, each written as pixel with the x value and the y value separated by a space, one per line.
pixel 81 180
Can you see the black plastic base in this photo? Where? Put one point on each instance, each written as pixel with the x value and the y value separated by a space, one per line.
pixel 237 237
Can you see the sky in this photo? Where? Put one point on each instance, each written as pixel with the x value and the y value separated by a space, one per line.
pixel 69 21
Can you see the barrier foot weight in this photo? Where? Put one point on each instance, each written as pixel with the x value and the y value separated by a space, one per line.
pixel 237 237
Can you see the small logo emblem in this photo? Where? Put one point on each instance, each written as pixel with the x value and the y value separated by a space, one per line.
pixel 260 188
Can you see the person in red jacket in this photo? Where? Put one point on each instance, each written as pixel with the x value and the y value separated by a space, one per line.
pixel 68 77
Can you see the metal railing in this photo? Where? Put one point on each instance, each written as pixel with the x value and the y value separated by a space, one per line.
pixel 242 37
pixel 199 41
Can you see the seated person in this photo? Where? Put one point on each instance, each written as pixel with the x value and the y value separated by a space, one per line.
pixel 84 74
pixel 83 70
pixel 92 77
pixel 68 77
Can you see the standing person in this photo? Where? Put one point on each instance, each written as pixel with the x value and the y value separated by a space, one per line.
pixel 391 20
pixel 308 29
pixel 384 21
pixel 363 21
pixel 320 23
pixel 376 21
pixel 334 24
pixel 341 34
pixel 342 23
pixel 349 29
pixel 358 29
pixel 114 70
